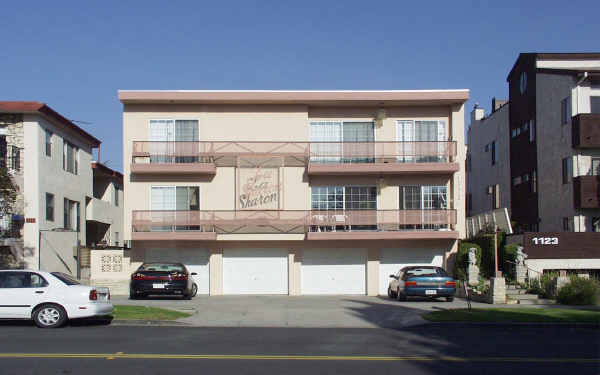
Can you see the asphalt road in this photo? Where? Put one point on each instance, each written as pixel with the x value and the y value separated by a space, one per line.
pixel 441 349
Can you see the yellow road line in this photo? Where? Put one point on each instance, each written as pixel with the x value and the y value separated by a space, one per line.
pixel 120 355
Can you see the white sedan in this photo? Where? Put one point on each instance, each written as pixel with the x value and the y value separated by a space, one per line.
pixel 49 298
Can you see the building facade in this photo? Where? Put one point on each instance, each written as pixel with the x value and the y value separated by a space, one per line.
pixel 104 210
pixel 488 160
pixel 49 160
pixel 293 192
pixel 555 141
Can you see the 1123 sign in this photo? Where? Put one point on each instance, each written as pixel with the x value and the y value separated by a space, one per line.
pixel 545 240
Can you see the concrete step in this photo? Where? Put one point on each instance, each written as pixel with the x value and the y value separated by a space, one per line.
pixel 510 301
pixel 516 291
pixel 521 296
pixel 537 302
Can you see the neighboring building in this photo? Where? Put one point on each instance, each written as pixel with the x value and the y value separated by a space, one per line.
pixel 50 159
pixel 293 192
pixel 104 213
pixel 550 129
pixel 488 160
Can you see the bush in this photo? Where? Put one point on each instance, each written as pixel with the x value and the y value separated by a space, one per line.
pixel 486 243
pixel 462 259
pixel 545 286
pixel 580 291
pixel 507 259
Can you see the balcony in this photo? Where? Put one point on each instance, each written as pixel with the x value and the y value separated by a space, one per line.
pixel 100 211
pixel 586 192
pixel 321 158
pixel 315 225
pixel 585 130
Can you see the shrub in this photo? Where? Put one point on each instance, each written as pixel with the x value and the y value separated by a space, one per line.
pixel 580 291
pixel 545 286
pixel 507 259
pixel 486 243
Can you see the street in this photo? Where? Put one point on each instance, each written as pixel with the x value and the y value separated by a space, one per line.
pixel 93 348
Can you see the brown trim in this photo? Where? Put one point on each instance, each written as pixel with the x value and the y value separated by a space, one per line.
pixel 174 236
pixel 571 245
pixel 336 169
pixel 106 170
pixel 173 168
pixel 408 235
pixel 41 108
pixel 298 97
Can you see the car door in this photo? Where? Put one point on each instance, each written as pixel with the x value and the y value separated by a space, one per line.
pixel 20 292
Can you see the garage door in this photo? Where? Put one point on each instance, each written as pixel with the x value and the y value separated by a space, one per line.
pixel 391 260
pixel 255 271
pixel 195 260
pixel 334 271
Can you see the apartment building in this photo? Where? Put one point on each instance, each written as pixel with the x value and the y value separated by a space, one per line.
pixel 551 132
pixel 49 159
pixel 293 192
pixel 488 159
pixel 104 210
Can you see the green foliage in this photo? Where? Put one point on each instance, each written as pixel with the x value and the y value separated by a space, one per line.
pixel 8 192
pixel 486 244
pixel 580 291
pixel 545 286
pixel 507 259
pixel 462 259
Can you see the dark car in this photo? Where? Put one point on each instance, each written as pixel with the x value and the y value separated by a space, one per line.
pixel 162 279
pixel 423 281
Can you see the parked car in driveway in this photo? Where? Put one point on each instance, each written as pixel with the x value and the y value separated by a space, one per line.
pixel 49 298
pixel 162 279
pixel 423 281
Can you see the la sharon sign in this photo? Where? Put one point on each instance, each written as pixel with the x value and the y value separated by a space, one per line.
pixel 258 189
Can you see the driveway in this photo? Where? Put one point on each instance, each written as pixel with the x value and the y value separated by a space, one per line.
pixel 299 311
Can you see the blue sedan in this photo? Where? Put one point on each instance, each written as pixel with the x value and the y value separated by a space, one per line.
pixel 422 281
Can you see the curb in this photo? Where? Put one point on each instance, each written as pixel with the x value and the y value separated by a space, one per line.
pixel 145 323
pixel 518 324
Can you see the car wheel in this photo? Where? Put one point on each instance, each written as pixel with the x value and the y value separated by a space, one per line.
pixel 194 290
pixel 49 316
pixel 449 299
pixel 401 296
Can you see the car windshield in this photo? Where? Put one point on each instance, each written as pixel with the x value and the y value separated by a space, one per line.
pixel 67 279
pixel 163 267
pixel 426 272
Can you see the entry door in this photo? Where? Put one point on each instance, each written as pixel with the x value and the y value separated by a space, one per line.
pixel 334 271
pixel 255 271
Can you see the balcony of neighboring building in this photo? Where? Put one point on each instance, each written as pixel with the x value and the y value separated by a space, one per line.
pixel 320 158
pixel 314 225
pixel 586 130
pixel 586 191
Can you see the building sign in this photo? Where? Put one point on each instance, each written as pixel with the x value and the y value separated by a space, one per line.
pixel 30 220
pixel 258 189
pixel 562 245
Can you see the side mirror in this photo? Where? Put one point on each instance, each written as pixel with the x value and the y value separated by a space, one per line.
pixel 193 273
pixel 393 276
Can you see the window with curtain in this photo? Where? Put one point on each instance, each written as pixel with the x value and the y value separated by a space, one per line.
pixel 346 142
pixel 173 141
pixel 421 141
pixel 180 199
pixel 428 199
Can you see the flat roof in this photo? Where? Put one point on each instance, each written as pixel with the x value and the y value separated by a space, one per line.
pixel 46 111
pixel 310 97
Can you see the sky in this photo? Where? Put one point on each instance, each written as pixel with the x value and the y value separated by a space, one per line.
pixel 76 55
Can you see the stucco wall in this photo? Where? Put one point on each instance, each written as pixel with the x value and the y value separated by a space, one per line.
pixel 493 128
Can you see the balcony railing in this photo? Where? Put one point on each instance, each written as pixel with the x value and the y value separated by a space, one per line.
pixel 293 221
pixel 586 192
pixel 293 153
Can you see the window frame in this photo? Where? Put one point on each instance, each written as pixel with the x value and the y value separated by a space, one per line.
pixel 48 142
pixel 50 208
pixel 75 166
pixel 565 170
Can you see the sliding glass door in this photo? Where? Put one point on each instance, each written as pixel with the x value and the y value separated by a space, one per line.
pixel 178 199
pixel 346 142
pixel 429 199
pixel 173 141
pixel 421 141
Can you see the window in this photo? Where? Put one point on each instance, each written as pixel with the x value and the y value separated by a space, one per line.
pixel 22 280
pixel 164 132
pixel 116 193
pixel 523 82
pixel 516 180
pixel 496 197
pixel 596 224
pixel 346 142
pixel 15 158
pixel 70 156
pixel 531 131
pixel 595 169
pixel 594 104
pixel 565 222
pixel 172 198
pixel 66 279
pixel 565 170
pixel 71 215
pixel 534 181
pixel 48 143
pixel 518 131
pixel 417 139
pixel 525 127
pixel 49 207
pixel 493 152
pixel 513 133
pixel 565 110
pixel 341 198
pixel 423 197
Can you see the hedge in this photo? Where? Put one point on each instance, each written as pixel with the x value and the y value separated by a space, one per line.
pixel 579 291
pixel 462 259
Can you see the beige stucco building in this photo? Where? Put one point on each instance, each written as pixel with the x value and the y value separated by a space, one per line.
pixel 293 192
pixel 49 160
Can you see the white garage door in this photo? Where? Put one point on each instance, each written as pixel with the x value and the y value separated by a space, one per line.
pixel 334 271
pixel 195 260
pixel 391 260
pixel 255 271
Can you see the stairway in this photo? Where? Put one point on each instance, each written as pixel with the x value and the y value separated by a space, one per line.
pixel 516 295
